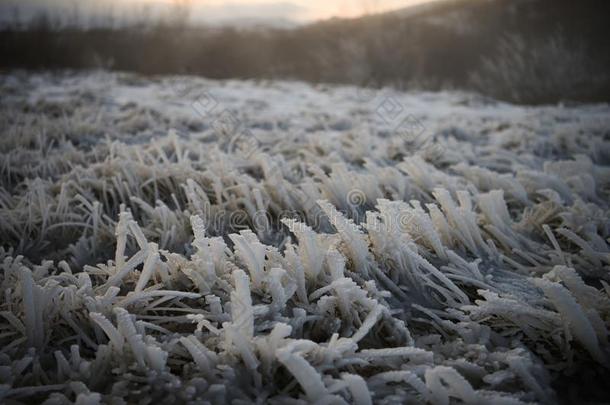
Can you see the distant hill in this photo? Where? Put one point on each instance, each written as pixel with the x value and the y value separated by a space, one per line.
pixel 458 43
pixel 527 51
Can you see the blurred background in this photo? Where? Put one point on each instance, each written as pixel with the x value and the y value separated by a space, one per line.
pixel 523 51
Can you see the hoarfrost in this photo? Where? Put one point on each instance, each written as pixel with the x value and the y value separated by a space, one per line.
pixel 331 267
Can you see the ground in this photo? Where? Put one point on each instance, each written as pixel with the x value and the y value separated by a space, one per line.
pixel 176 238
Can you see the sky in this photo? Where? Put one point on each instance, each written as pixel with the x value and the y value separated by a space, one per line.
pixel 210 11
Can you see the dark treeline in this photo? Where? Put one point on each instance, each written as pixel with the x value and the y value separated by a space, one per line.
pixel 529 51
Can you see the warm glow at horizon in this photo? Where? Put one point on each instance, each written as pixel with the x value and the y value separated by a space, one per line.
pixel 305 10
pixel 282 12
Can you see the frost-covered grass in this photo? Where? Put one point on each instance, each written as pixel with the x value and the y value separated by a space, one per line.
pixel 151 255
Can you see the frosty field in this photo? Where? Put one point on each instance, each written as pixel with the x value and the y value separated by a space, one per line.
pixel 181 240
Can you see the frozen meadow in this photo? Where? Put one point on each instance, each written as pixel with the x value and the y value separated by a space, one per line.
pixel 182 240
